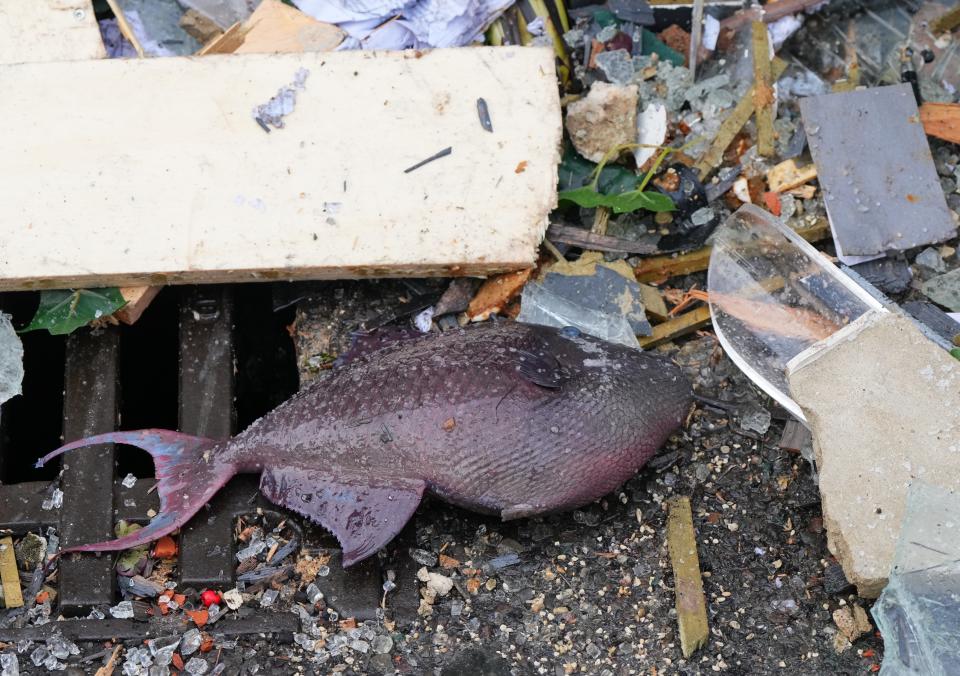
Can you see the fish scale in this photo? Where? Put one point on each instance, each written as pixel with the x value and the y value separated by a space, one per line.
pixel 501 418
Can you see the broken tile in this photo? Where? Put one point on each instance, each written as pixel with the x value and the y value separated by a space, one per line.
pixel 877 199
pixel 606 118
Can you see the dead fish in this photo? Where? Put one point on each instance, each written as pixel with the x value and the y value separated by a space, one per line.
pixel 502 418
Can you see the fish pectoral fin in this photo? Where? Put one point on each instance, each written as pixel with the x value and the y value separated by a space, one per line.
pixel 542 369
pixel 364 516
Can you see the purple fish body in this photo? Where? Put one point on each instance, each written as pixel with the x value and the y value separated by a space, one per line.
pixel 501 418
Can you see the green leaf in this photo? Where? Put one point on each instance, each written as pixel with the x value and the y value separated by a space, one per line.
pixel 576 172
pixel 955 352
pixel 65 311
pixel 639 199
pixel 585 197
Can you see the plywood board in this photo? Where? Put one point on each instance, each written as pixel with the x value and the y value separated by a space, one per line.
pixel 48 30
pixel 161 174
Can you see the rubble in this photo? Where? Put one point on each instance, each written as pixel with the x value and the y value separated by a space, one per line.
pixel 606 118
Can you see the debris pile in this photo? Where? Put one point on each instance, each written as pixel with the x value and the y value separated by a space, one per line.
pixel 768 196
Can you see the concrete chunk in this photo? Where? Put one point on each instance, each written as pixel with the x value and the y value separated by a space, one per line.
pixel 606 118
pixel 883 403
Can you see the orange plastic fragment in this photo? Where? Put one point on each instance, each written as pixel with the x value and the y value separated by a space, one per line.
pixel 177 661
pixel 772 200
pixel 199 617
pixel 165 548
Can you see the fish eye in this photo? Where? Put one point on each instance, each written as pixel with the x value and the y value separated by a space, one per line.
pixel 570 332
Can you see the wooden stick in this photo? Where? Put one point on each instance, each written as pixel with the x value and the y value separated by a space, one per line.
pixel 9 575
pixel 662 267
pixel 124 27
pixel 676 327
pixel 687 581
pixel 763 89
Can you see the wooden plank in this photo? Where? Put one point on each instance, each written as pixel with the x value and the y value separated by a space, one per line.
pixel 176 182
pixel 687 582
pixel 48 30
pixel 659 268
pixel 276 27
pixel 653 303
pixel 9 575
pixel 941 120
pixel 680 325
pixel 60 30
pixel 138 299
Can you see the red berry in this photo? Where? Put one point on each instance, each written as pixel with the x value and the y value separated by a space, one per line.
pixel 209 597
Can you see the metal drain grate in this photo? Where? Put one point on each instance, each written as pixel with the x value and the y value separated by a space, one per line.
pixel 94 498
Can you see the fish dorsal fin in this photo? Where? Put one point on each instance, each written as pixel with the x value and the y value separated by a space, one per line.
pixel 363 516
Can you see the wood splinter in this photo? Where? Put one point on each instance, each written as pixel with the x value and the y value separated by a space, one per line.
pixel 691 603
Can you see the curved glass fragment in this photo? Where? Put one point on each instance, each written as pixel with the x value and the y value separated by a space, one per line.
pixel 772 296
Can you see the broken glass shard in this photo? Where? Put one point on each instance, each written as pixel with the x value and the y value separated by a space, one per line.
pixel 918 609
pixel 772 296
pixel 11 360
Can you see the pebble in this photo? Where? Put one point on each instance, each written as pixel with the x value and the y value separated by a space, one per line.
pixel 930 259
pixel 423 557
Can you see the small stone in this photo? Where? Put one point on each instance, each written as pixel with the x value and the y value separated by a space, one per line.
pixel 233 598
pixel 573 38
pixel 616 66
pixel 605 118
pixel 930 259
pixel 30 551
pixel 129 481
pixel 436 583
pixel 702 216
pixel 423 557
pixel 852 621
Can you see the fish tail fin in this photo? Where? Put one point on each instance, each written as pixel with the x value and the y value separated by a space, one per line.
pixel 187 477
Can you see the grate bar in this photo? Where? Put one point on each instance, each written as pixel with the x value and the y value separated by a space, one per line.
pixel 206 409
pixel 90 407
